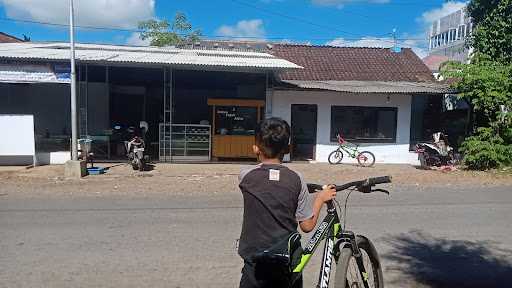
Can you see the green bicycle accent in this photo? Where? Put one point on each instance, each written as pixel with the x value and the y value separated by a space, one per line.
pixel 303 261
pixel 337 228
pixel 365 276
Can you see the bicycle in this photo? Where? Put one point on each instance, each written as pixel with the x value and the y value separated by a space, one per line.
pixel 364 158
pixel 357 261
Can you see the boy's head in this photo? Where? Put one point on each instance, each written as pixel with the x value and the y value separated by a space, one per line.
pixel 272 138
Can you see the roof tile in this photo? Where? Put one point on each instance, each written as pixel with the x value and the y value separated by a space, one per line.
pixel 324 63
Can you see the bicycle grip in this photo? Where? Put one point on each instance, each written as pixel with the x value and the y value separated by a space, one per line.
pixel 312 188
pixel 379 180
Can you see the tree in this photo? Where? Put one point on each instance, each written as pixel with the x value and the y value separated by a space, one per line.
pixel 486 84
pixel 492 33
pixel 163 33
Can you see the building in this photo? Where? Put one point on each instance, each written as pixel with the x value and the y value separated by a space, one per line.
pixel 202 104
pixel 199 104
pixel 448 36
pixel 374 97
pixel 6 38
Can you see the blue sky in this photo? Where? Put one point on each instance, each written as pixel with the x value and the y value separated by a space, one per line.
pixel 334 22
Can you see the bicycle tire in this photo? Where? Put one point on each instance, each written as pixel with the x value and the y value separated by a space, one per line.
pixel 366 164
pixel 336 153
pixel 346 259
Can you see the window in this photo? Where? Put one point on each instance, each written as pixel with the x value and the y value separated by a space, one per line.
pixel 364 124
pixel 462 29
pixel 453 34
pixel 232 120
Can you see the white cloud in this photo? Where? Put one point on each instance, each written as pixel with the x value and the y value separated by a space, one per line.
pixel 369 41
pixel 249 29
pixel 340 3
pixel 430 16
pixel 134 40
pixel 109 13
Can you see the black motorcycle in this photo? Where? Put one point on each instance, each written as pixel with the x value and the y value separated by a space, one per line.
pixel 436 153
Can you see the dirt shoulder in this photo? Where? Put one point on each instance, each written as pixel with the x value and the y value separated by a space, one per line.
pixel 182 179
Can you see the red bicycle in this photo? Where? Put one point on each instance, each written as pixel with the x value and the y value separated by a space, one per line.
pixel 364 158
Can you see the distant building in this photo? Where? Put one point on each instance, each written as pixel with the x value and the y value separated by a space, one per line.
pixel 6 38
pixel 448 35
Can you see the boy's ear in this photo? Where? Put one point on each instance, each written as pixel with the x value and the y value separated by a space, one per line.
pixel 256 149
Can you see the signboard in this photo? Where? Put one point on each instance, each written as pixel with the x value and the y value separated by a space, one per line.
pixel 18 142
pixel 35 73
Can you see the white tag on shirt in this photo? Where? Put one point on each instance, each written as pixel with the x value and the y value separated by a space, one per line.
pixel 273 175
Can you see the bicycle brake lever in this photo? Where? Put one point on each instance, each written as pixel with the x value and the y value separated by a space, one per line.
pixel 381 190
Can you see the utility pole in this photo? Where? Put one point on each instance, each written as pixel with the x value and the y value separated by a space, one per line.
pixel 74 128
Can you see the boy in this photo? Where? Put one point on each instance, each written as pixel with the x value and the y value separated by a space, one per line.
pixel 276 201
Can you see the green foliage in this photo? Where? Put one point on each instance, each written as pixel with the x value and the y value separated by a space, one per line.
pixel 485 84
pixel 492 32
pixel 486 150
pixel 163 33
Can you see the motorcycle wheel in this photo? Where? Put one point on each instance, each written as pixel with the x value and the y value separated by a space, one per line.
pixel 141 165
pixel 135 165
pixel 423 161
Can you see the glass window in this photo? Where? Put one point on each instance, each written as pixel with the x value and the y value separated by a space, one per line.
pixel 232 120
pixel 364 124
pixel 462 29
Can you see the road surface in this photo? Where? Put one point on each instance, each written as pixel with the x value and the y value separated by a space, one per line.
pixel 439 236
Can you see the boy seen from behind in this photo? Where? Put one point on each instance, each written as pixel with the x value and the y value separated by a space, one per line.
pixel 276 201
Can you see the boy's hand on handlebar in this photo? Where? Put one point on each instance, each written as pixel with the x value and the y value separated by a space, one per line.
pixel 327 193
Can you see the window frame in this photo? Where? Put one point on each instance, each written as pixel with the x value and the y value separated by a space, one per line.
pixel 332 132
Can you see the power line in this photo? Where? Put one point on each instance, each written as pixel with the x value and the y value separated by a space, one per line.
pixel 208 36
pixel 294 18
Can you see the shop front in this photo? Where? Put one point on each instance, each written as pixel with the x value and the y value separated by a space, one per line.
pixel 199 105
pixel 191 115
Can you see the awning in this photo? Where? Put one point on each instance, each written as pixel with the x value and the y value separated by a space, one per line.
pixel 374 86
pixel 33 73
pixel 106 54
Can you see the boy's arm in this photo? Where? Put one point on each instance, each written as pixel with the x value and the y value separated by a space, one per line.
pixel 328 193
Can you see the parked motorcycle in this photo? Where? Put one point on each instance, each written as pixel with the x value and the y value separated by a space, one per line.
pixel 437 153
pixel 135 149
pixel 135 146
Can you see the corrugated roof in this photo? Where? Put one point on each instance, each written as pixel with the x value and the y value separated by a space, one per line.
pixel 143 55
pixel 327 63
pixel 373 86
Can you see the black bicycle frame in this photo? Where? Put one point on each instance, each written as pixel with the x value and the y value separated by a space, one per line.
pixel 335 240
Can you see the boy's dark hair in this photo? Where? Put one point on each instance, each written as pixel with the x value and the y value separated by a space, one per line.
pixel 273 137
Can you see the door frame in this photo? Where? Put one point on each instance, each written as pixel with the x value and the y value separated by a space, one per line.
pixel 292 156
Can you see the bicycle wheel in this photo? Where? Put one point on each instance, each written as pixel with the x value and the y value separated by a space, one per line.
pixel 366 159
pixel 335 157
pixel 347 271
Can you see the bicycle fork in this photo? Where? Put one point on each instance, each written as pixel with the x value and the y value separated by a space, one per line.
pixel 350 236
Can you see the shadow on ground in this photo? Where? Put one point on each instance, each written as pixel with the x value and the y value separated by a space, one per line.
pixel 439 262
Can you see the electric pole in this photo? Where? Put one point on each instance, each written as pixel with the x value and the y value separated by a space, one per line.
pixel 74 128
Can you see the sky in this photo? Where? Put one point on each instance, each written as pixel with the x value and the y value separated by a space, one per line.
pixel 367 23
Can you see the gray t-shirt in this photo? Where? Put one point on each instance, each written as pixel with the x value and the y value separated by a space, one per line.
pixel 276 198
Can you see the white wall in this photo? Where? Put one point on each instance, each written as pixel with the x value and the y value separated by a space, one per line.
pixel 17 146
pixel 281 101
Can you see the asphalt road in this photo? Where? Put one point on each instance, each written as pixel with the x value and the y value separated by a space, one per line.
pixel 426 237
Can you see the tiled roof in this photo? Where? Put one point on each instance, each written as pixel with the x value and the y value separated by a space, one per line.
pixel 433 62
pixel 327 63
pixel 6 38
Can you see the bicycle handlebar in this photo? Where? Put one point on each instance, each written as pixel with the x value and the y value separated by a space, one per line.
pixel 363 186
